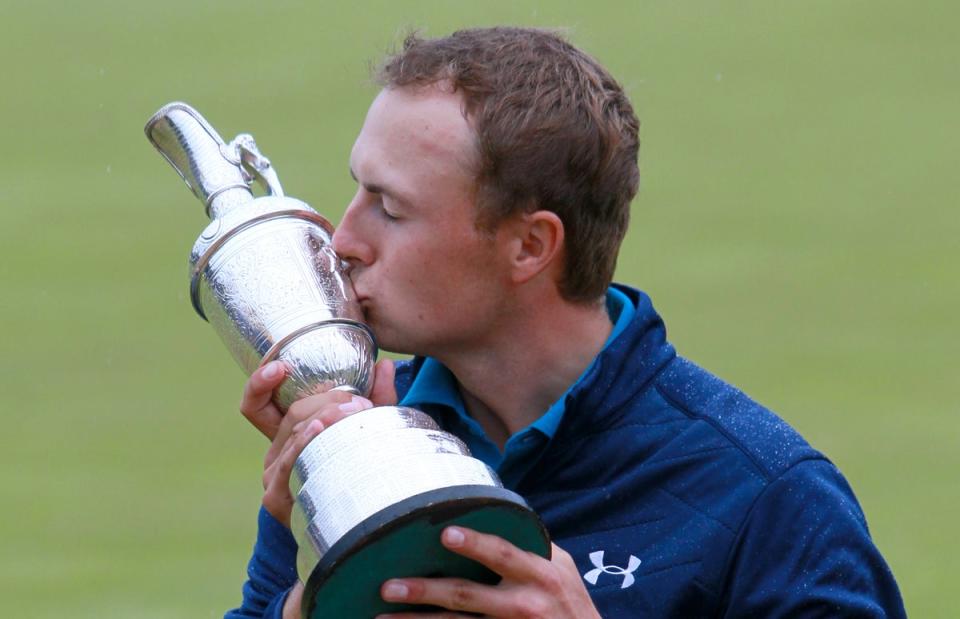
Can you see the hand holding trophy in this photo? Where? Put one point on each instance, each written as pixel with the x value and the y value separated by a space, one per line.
pixel 374 490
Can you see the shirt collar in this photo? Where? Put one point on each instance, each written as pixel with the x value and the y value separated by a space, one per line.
pixel 436 385
pixel 620 310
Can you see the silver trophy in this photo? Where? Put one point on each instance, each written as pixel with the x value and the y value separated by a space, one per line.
pixel 373 491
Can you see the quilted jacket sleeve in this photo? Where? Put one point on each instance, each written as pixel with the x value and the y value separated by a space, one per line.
pixel 271 571
pixel 805 551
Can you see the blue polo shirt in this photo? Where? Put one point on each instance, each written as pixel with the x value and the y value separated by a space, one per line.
pixel 435 386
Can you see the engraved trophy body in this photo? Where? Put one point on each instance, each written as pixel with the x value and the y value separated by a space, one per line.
pixel 374 490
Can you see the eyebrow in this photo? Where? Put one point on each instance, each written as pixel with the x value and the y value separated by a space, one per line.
pixel 368 186
pixel 374 188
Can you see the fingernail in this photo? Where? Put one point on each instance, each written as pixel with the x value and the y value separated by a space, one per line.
pixel 453 536
pixel 395 591
pixel 272 370
pixel 355 404
pixel 315 427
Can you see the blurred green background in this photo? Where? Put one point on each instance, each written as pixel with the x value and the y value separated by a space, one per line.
pixel 797 228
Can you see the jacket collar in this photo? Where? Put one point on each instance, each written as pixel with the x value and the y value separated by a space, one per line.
pixel 624 368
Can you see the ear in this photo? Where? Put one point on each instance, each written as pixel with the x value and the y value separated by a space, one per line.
pixel 536 244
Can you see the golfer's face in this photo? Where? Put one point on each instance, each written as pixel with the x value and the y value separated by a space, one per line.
pixel 429 282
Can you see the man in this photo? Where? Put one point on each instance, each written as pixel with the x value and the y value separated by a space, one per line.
pixel 495 172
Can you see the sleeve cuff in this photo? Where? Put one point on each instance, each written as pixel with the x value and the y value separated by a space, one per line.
pixel 272 570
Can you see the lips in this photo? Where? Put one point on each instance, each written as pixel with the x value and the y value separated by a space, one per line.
pixel 365 304
pixel 366 310
pixel 357 293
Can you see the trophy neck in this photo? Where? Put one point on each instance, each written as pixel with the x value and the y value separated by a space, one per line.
pixel 221 203
pixel 200 156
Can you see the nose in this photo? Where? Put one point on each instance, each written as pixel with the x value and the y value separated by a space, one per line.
pixel 348 238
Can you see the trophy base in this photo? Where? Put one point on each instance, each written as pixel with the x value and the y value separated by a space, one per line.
pixel 403 540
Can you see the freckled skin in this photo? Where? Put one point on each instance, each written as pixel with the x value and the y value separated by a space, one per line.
pixel 428 280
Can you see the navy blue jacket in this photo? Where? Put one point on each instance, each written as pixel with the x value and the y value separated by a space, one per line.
pixel 678 496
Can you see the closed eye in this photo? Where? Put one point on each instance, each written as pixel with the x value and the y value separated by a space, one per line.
pixel 384 195
pixel 385 211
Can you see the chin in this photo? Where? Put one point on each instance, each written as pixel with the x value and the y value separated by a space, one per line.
pixel 380 335
pixel 388 341
pixel 391 337
pixel 388 344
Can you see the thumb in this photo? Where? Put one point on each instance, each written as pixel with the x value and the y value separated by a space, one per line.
pixel 384 392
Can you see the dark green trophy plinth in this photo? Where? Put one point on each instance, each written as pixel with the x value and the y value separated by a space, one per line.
pixel 403 540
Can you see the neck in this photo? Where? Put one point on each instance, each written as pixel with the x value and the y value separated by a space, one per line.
pixel 527 363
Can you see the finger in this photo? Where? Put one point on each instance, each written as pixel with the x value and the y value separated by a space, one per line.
pixel 257 402
pixel 495 553
pixel 324 406
pixel 384 391
pixel 328 408
pixel 562 557
pixel 330 415
pixel 452 594
pixel 276 497
pixel 283 464
pixel 291 606
pixel 441 615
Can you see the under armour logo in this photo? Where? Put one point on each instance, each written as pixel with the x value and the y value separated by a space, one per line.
pixel 597 559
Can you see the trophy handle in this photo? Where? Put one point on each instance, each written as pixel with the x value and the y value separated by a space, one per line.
pixel 255 165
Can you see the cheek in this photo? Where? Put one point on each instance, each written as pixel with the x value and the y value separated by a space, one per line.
pixel 410 281
pixel 419 262
pixel 442 271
